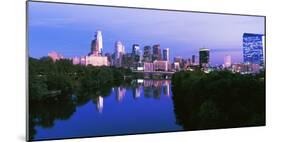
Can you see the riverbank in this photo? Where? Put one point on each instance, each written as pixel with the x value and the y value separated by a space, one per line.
pixel 218 100
pixel 48 78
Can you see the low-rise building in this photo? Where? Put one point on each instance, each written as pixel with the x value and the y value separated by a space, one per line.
pixel 97 60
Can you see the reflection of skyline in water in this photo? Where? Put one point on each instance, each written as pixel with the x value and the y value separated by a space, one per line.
pixel 100 104
pixel 151 88
pixel 137 92
pixel 166 87
pixel 120 93
pixel 138 95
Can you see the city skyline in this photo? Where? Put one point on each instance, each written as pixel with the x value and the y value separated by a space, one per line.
pixel 71 31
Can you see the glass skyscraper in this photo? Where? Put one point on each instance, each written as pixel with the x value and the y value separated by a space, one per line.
pixel 147 54
pixel 166 54
pixel 204 57
pixel 96 45
pixel 253 48
pixel 156 52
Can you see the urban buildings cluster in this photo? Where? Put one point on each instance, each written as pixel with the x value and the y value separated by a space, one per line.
pixel 153 58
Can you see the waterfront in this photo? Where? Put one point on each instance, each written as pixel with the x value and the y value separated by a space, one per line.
pixel 145 106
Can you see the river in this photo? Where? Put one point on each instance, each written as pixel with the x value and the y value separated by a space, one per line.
pixel 144 107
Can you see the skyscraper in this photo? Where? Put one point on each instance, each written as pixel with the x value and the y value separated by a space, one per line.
pixel 119 49
pixel 147 54
pixel 119 52
pixel 96 45
pixel 136 55
pixel 166 54
pixel 204 57
pixel 157 55
pixel 99 43
pixel 253 48
pixel 135 49
pixel 193 60
pixel 227 61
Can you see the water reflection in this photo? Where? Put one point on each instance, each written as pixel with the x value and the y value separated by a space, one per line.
pixel 137 92
pixel 152 89
pixel 44 114
pixel 120 93
pixel 166 87
pixel 99 104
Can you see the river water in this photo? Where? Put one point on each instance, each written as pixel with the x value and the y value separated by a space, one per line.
pixel 144 107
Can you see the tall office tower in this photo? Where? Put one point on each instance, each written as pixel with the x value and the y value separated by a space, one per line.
pixel 166 54
pixel 141 57
pixel 119 49
pixel 157 55
pixel 135 49
pixel 119 52
pixel 147 54
pixel 99 43
pixel 227 61
pixel 253 48
pixel 96 45
pixel 193 59
pixel 94 50
pixel 204 57
pixel 136 55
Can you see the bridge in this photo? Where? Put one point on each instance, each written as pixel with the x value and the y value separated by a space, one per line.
pixel 155 72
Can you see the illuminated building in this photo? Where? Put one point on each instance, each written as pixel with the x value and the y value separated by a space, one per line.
pixel 160 65
pixel 147 66
pixel 253 45
pixel 246 68
pixel 55 56
pixel 97 60
pixel 83 60
pixel 119 52
pixel 227 61
pixel 76 60
pixel 97 45
pixel 176 66
pixel 136 49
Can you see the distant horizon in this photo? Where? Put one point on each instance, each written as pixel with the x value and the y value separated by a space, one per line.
pixel 69 29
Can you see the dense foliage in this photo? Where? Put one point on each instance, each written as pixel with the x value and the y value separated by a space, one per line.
pixel 48 78
pixel 57 88
pixel 220 99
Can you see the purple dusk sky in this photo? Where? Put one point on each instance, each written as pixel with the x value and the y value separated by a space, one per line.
pixel 69 29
